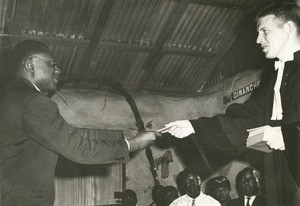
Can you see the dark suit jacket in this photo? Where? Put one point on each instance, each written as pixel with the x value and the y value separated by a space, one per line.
pixel 32 135
pixel 258 201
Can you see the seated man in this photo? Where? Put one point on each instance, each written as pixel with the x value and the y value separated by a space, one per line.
pixel 219 188
pixel 249 186
pixel 169 194
pixel 129 198
pixel 190 182
pixel 157 195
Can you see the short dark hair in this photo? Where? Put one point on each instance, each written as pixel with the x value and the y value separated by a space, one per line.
pixel 284 11
pixel 169 188
pixel 182 176
pixel 169 194
pixel 129 193
pixel 25 49
pixel 156 192
pixel 255 174
pixel 216 182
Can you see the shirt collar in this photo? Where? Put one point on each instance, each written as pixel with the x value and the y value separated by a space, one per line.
pixel 35 87
pixel 251 197
pixel 278 64
pixel 189 198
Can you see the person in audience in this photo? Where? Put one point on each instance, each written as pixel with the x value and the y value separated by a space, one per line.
pixel 34 134
pixel 190 182
pixel 129 198
pixel 169 194
pixel 219 188
pixel 249 188
pixel 276 103
pixel 157 195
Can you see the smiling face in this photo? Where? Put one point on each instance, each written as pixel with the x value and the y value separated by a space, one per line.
pixel 46 72
pixel 222 194
pixel 272 36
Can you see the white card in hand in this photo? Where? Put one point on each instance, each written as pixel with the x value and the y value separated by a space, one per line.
pixel 164 129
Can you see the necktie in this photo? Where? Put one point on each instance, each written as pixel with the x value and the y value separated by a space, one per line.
pixel 248 201
pixel 193 203
pixel 277 107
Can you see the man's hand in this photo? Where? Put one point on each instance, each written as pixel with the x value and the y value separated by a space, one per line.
pixel 273 138
pixel 142 140
pixel 179 129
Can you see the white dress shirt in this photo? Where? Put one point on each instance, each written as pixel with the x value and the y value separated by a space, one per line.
pixel 277 106
pixel 201 200
pixel 252 198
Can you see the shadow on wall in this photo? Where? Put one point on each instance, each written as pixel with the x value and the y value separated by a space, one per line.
pixel 6 71
pixel 68 169
pixel 207 162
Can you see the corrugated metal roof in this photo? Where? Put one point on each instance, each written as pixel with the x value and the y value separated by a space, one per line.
pixel 164 46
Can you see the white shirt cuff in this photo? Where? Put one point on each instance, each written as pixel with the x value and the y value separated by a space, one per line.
pixel 128 145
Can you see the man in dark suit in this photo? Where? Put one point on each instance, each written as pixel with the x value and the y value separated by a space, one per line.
pixel 249 187
pixel 33 133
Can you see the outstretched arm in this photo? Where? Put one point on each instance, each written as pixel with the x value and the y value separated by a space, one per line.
pixel 43 123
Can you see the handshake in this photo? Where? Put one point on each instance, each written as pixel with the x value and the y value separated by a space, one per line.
pixel 179 129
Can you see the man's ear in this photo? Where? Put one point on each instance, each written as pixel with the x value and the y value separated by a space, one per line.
pixel 290 27
pixel 29 65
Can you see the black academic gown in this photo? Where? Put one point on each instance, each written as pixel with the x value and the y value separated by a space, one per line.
pixel 228 133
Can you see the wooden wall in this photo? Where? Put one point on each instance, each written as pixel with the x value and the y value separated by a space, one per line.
pixel 79 185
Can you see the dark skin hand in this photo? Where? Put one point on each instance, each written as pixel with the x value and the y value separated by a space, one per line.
pixel 142 140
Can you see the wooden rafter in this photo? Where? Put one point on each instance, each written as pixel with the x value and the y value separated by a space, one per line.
pixel 157 53
pixel 111 45
pixel 95 38
pixel 222 4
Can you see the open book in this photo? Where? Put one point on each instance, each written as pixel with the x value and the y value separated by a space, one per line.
pixel 256 138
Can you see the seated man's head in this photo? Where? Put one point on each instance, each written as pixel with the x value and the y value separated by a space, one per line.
pixel 129 198
pixel 190 182
pixel 157 194
pixel 33 60
pixel 249 182
pixel 219 188
pixel 169 194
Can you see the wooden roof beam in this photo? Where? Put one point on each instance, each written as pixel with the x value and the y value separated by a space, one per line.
pixel 111 45
pixel 222 4
pixel 157 53
pixel 95 38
